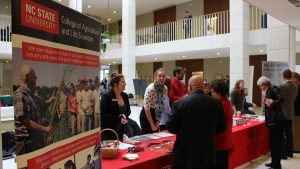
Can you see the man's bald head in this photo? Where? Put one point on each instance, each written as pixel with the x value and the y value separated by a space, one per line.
pixel 196 83
pixel 28 76
pixel 25 70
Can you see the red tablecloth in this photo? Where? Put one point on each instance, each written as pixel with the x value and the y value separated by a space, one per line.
pixel 250 141
pixel 149 159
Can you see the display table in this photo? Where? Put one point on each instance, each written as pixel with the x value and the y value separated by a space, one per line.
pixel 250 141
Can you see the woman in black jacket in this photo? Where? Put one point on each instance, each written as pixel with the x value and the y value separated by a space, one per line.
pixel 115 108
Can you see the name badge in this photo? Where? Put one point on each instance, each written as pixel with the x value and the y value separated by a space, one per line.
pixel 114 100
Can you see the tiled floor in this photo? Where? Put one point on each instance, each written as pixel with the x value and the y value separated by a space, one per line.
pixel 259 163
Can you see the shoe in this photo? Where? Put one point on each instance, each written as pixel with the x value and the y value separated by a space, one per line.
pixel 290 155
pixel 269 165
pixel 272 166
pixel 284 157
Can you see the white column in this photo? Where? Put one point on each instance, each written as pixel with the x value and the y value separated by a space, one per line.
pixel 239 49
pixel 128 43
pixel 281 43
pixel 76 5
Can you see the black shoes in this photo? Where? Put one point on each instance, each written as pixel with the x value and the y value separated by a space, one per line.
pixel 273 166
pixel 268 165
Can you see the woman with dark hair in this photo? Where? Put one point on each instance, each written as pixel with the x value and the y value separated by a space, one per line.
pixel 219 91
pixel 115 108
pixel 238 99
pixel 154 100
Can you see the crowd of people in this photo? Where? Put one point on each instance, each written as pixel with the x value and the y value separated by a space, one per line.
pixel 209 107
pixel 168 104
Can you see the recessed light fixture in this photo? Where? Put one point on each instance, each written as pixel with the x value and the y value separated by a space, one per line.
pixel 6 7
pixel 109 64
pixel 218 53
pixel 108 19
pixel 59 0
pixel 261 51
pixel 7 61
pixel 155 58
pixel 114 62
pixel 114 12
pixel 89 6
pixel 184 56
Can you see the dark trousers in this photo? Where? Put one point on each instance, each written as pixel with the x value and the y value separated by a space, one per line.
pixel 287 144
pixel 276 134
pixel 222 159
pixel 145 125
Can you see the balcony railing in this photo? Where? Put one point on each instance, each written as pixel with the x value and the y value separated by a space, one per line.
pixel 206 25
pixel 5 31
pixel 258 18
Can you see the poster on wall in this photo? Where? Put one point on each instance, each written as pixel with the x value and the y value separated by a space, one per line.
pixel 56 86
pixel 273 70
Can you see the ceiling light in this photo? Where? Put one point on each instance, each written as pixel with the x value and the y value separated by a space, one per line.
pixel 6 7
pixel 7 61
pixel 89 6
pixel 184 56
pixel 114 62
pixel 218 53
pixel 59 0
pixel 114 12
pixel 261 51
pixel 155 58
pixel 109 64
pixel 108 19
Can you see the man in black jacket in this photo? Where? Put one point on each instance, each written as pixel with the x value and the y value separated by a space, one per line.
pixel 274 119
pixel 195 120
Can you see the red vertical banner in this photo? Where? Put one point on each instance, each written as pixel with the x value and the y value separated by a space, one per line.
pixel 56 86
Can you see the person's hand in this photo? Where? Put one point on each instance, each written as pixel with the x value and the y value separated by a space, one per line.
pixel 47 129
pixel 269 102
pixel 154 128
pixel 238 113
pixel 124 121
pixel 254 105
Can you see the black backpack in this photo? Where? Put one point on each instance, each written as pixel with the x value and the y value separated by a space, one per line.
pixel 132 128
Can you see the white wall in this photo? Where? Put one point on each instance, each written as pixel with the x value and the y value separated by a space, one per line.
pixel 213 66
pixel 195 8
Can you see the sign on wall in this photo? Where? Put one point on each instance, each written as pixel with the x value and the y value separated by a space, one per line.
pixel 273 70
pixel 56 86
